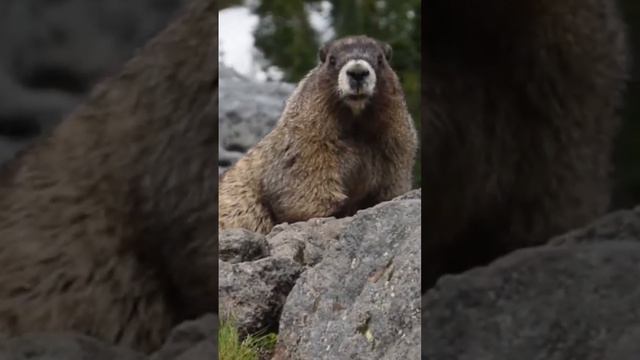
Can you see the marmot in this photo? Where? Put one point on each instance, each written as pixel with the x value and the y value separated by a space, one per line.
pixel 345 141
pixel 520 102
pixel 108 224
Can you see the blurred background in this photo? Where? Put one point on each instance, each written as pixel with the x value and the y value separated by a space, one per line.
pixel 627 151
pixel 53 52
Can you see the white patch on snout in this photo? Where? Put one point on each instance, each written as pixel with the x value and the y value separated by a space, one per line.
pixel 363 91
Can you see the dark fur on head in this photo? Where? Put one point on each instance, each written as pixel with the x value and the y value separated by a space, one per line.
pixel 336 54
pixel 367 45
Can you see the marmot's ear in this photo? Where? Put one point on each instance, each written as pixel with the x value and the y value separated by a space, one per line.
pixel 388 51
pixel 322 53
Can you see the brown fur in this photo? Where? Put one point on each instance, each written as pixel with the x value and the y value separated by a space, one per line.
pixel 107 226
pixel 520 101
pixel 320 160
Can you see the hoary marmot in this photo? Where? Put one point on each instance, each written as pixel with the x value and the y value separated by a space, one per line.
pixel 344 142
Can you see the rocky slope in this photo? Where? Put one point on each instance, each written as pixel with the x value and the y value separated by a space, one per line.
pixel 333 288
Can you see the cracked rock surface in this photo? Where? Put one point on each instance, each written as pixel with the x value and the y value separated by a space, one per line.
pixel 348 286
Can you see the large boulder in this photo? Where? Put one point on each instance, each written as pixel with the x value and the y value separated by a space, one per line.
pixel 575 298
pixel 363 299
pixel 251 294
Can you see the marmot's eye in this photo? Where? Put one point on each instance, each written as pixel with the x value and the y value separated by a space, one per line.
pixel 379 59
pixel 332 60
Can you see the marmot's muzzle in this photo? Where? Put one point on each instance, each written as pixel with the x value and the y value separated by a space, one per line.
pixel 356 78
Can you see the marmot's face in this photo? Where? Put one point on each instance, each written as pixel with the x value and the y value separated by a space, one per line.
pixel 355 65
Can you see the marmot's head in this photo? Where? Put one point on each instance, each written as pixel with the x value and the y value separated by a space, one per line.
pixel 355 66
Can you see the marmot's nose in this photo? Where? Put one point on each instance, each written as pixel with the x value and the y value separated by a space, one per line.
pixel 358 74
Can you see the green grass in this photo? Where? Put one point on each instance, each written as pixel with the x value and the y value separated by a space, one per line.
pixel 231 347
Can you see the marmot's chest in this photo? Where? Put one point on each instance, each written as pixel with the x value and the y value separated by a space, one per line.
pixel 362 167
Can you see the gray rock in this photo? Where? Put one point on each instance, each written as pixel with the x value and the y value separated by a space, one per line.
pixel 248 110
pixel 619 225
pixel 54 51
pixel 415 194
pixel 362 301
pixel 257 273
pixel 560 302
pixel 59 346
pixel 192 340
pixel 305 242
pixel 252 293
pixel 239 245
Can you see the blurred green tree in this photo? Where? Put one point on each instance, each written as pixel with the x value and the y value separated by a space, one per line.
pixel 285 37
